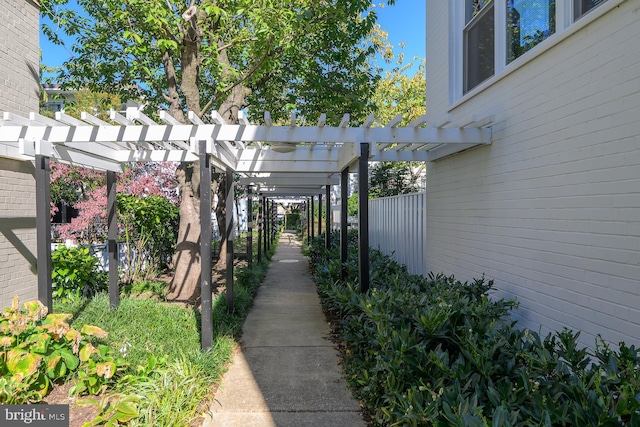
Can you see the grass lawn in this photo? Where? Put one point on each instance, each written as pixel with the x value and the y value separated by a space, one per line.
pixel 168 377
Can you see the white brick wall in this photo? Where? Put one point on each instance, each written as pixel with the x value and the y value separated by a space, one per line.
pixel 551 210
pixel 19 62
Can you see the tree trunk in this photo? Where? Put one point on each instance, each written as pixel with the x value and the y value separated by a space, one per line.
pixel 185 285
pixel 186 279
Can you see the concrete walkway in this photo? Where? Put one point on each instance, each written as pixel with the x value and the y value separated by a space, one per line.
pixel 286 373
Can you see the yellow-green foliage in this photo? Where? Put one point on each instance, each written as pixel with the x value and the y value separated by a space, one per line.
pixel 38 350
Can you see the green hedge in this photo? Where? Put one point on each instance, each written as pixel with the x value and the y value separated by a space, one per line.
pixel 438 352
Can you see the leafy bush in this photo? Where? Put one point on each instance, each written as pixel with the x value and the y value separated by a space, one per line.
pixel 435 351
pixel 74 273
pixel 39 350
pixel 152 222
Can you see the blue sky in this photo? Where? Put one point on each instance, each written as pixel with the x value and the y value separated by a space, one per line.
pixel 405 22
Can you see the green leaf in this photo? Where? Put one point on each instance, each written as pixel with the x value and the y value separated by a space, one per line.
pixel 22 362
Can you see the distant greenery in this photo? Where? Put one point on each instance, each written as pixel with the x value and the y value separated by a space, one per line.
pixel 433 351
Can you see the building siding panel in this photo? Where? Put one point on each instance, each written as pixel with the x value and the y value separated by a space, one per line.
pixel 19 64
pixel 551 210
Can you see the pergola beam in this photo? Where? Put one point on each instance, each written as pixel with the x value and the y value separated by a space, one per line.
pixel 244 133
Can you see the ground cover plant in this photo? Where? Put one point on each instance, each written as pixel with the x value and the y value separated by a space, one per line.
pixel 147 370
pixel 39 350
pixel 438 352
pixel 168 376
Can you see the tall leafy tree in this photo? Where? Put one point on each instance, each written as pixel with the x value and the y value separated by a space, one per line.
pixel 278 55
pixel 399 92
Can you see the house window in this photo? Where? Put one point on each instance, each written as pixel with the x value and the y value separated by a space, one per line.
pixel 580 7
pixel 487 36
pixel 479 43
pixel 528 23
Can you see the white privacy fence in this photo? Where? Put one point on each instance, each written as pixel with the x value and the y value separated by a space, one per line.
pixel 397 227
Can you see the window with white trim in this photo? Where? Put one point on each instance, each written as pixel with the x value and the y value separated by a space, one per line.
pixel 479 43
pixel 580 7
pixel 529 22
pixel 488 35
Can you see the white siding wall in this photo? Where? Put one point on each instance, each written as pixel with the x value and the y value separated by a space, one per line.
pixel 19 62
pixel 551 210
pixel 397 228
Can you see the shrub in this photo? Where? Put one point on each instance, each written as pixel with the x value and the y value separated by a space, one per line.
pixel 74 273
pixel 152 222
pixel 438 352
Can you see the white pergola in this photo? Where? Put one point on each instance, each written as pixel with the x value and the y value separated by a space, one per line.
pixel 273 160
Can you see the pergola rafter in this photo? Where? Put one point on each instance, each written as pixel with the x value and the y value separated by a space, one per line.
pixel 274 161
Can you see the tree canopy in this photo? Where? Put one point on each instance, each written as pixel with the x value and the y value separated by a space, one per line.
pixel 307 56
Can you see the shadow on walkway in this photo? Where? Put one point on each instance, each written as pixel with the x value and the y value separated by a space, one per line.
pixel 286 372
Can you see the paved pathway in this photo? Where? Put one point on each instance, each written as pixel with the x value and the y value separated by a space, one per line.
pixel 286 373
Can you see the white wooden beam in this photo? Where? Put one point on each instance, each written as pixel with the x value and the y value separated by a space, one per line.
pixel 345 121
pixel 119 118
pixel 291 179
pixel 348 155
pixel 322 120
pixel 419 121
pixel 447 150
pixel 68 120
pixel 16 120
pixel 138 134
pixel 369 121
pixel 168 118
pixel 395 122
pixel 155 156
pixel 44 121
pixel 134 113
pixel 217 118
pixel 193 118
pixel 400 156
pixel 93 119
pixel 242 118
pixel 267 119
pixel 78 158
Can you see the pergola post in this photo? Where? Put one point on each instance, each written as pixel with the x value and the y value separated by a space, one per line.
pixel 274 221
pixel 312 217
pixel 112 240
pixel 43 230
pixel 265 225
pixel 260 225
pixel 229 237
pixel 250 225
pixel 327 235
pixel 363 217
pixel 308 212
pixel 319 214
pixel 344 201
pixel 206 318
